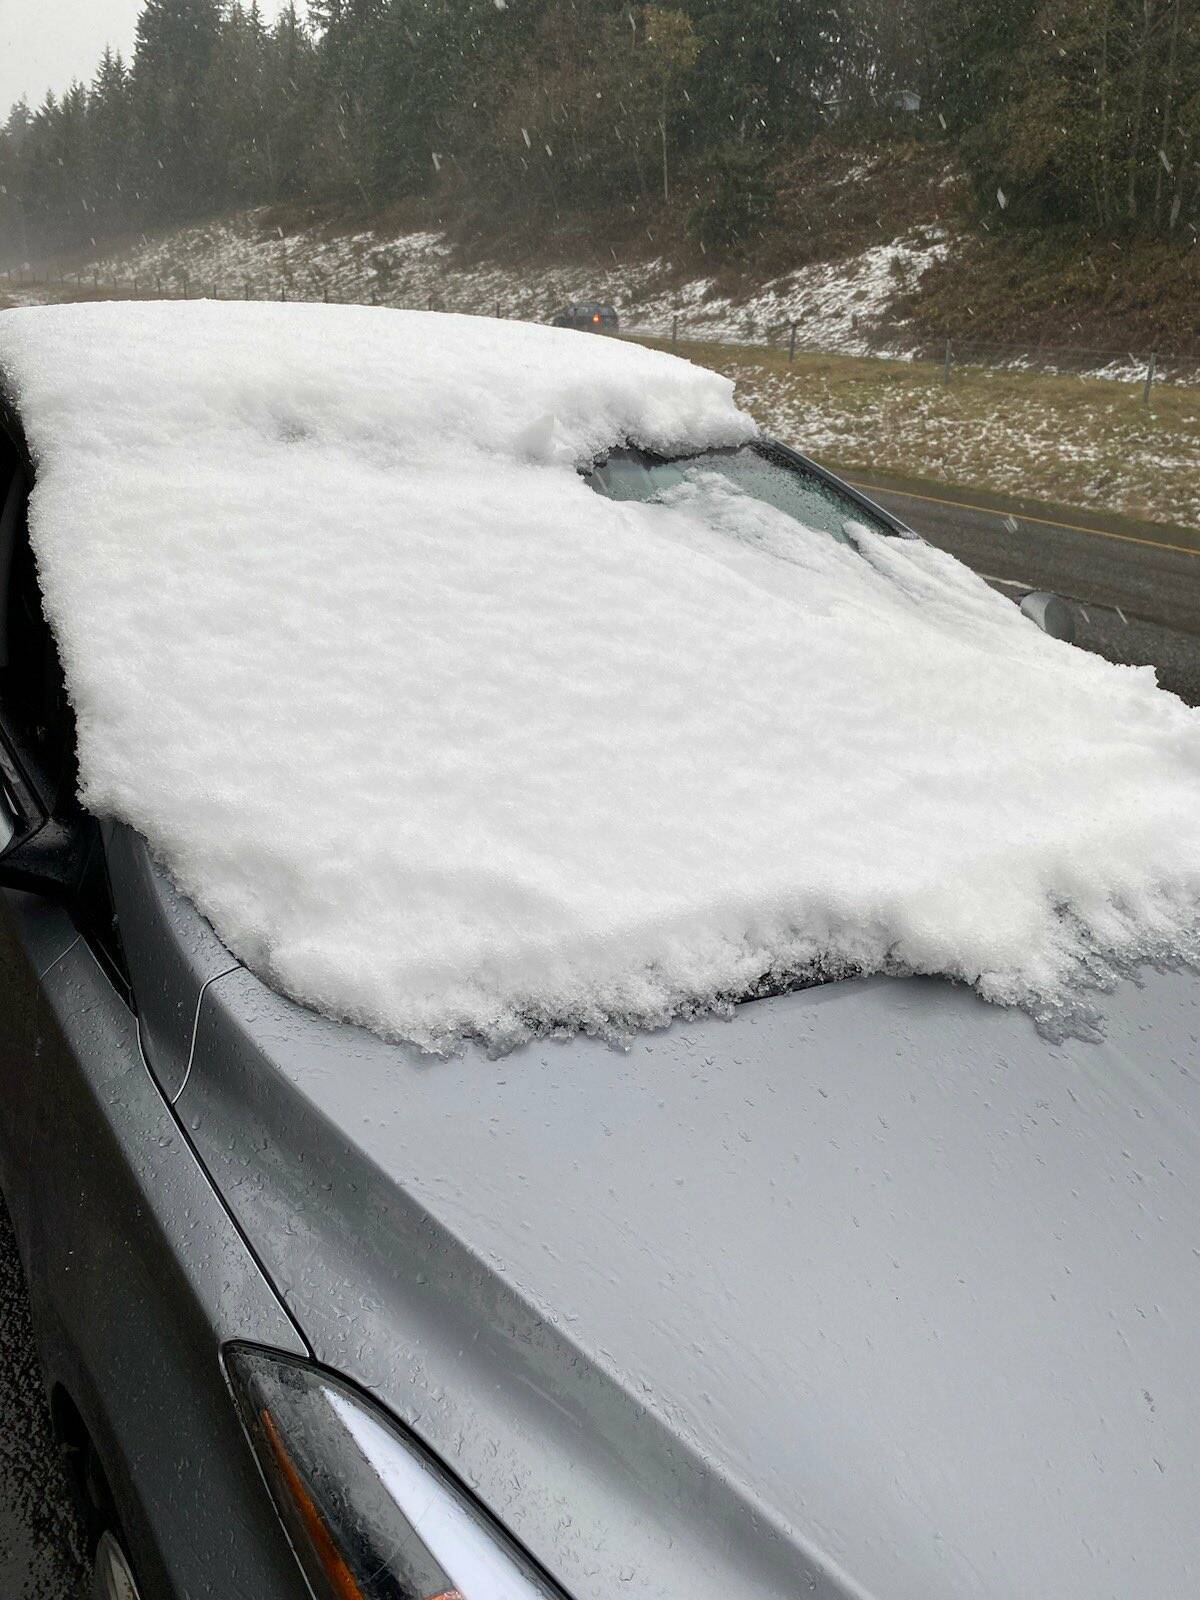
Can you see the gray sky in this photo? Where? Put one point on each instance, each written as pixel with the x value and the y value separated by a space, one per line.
pixel 46 43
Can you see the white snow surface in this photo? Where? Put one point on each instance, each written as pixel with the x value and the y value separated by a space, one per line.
pixel 444 743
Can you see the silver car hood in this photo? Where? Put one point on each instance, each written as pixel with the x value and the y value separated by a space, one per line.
pixel 871 1290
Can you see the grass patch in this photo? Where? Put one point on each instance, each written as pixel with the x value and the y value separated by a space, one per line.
pixel 1053 287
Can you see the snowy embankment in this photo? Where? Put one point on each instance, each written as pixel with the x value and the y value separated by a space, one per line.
pixel 835 305
pixel 445 743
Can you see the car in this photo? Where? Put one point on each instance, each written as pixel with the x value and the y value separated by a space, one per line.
pixel 862 1287
pixel 590 316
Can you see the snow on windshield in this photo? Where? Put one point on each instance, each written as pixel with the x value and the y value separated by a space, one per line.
pixel 447 744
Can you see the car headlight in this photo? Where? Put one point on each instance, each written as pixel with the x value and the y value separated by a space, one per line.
pixel 369 1514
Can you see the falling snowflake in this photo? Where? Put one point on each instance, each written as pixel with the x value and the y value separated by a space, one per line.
pixel 1002 198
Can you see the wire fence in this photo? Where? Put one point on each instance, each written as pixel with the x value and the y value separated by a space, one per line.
pixel 1149 367
pixel 783 334
pixel 947 354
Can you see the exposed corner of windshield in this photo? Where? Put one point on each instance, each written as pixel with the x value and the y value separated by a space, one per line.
pixel 761 472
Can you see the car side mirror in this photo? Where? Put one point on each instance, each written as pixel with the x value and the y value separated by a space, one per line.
pixel 1051 613
pixel 39 854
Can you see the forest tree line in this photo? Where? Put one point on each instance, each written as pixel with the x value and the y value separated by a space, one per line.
pixel 1078 112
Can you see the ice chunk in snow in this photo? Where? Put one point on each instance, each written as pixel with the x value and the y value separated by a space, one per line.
pixel 445 743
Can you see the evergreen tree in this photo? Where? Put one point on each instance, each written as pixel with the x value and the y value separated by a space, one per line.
pixel 1066 111
pixel 173 56
pixel 106 176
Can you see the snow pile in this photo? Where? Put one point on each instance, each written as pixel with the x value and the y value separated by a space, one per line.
pixel 446 743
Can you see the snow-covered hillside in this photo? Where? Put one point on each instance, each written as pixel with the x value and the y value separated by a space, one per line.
pixel 836 306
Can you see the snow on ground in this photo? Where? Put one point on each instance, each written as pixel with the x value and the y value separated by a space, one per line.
pixel 835 305
pixel 842 306
pixel 446 743
pixel 29 294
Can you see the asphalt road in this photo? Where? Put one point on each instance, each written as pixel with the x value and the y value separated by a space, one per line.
pixel 1137 599
pixel 40 1546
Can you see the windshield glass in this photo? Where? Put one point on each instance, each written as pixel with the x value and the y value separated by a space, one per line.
pixel 806 496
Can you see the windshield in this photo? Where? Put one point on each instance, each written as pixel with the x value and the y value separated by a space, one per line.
pixel 813 500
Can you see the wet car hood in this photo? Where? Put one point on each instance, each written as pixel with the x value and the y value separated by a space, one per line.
pixel 871 1290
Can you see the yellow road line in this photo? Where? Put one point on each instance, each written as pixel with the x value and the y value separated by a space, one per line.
pixel 1045 522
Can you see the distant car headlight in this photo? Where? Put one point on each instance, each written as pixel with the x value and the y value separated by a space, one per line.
pixel 369 1514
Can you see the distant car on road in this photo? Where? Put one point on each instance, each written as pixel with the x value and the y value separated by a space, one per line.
pixel 593 316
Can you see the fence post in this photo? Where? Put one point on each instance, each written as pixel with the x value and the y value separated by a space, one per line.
pixel 792 344
pixel 946 364
pixel 674 331
pixel 497 310
pixel 245 288
pixel 185 285
pixel 283 291
pixel 325 293
pixel 1150 370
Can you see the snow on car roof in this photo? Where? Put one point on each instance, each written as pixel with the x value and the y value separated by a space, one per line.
pixel 447 744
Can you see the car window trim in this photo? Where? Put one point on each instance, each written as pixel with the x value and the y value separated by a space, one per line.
pixel 39 797
pixel 783 455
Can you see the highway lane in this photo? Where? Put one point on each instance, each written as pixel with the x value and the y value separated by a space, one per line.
pixel 1136 591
